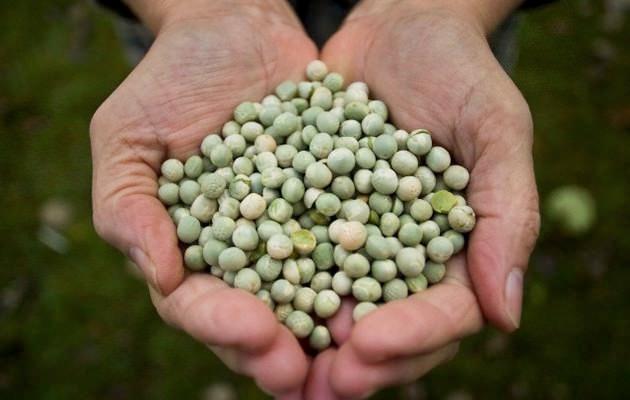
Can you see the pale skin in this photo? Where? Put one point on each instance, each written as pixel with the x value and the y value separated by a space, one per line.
pixel 429 61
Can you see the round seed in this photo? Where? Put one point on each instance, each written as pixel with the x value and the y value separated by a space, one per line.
pixel 188 229
pixel 462 218
pixel 282 291
pixel 279 246
pixel 193 258
pixel 173 170
pixel 326 303
pixel 247 279
pixel 395 289
pixel 321 281
pixel 341 161
pixel 320 338
pixel 366 289
pixel 410 262
pixel 232 259
pixel 268 268
pixel 304 299
pixel 438 159
pixel 300 323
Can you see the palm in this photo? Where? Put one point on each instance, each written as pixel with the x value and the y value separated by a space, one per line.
pixel 185 88
pixel 436 72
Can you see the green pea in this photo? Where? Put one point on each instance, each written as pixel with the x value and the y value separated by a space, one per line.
pixel 367 289
pixel 373 124
pixel 438 159
pixel 341 161
pixel 193 258
pixel 236 143
pixel 304 299
pixel 421 210
pixel 404 163
pixel 356 266
pixel 188 229
pixel 430 230
pixel 380 203
pixel 282 291
pixel 268 268
pixel 333 81
pixel 323 256
pixel 365 158
pixel 318 175
pixel 248 280
pixel 280 210
pixel 327 122
pixel 443 201
pixel 211 251
pixel 363 181
pixel 212 185
pixel 456 238
pixel 427 179
pixel 232 259
pixel 410 262
pixel 302 160
pixel 356 110
pixel 416 284
pixel 395 289
pixel 384 146
pixel 320 338
pixel 193 167
pixel 309 116
pixel 173 170
pixel 419 142
pixel 245 238
pixel 321 145
pixel 328 204
pixel 322 97
pixel 286 90
pixel 410 234
pixel 434 272
pixel 279 246
pixel 384 181
pixel 169 193
pixel 303 241
pixel 326 304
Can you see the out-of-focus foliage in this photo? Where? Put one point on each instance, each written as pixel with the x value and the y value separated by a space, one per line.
pixel 75 322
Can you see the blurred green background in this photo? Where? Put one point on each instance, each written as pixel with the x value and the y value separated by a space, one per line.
pixel 75 322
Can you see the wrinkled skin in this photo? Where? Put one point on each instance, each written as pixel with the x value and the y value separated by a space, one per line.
pixel 186 87
pixel 434 70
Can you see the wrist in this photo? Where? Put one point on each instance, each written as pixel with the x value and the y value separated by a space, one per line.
pixel 157 14
pixel 484 15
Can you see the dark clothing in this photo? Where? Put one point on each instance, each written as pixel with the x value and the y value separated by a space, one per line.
pixel 321 18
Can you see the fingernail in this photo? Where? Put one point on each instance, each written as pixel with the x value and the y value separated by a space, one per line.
pixel 514 295
pixel 143 262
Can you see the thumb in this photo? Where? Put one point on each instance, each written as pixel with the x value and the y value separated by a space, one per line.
pixel 128 215
pixel 503 193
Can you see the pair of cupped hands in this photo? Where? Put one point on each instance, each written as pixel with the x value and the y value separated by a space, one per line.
pixel 430 62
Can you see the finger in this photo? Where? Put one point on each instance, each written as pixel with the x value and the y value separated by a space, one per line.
pixel 503 193
pixel 340 325
pixel 240 328
pixel 126 210
pixel 280 370
pixel 422 322
pixel 352 378
pixel 318 382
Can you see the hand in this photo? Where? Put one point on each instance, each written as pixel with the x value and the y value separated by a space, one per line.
pixel 208 56
pixel 431 63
